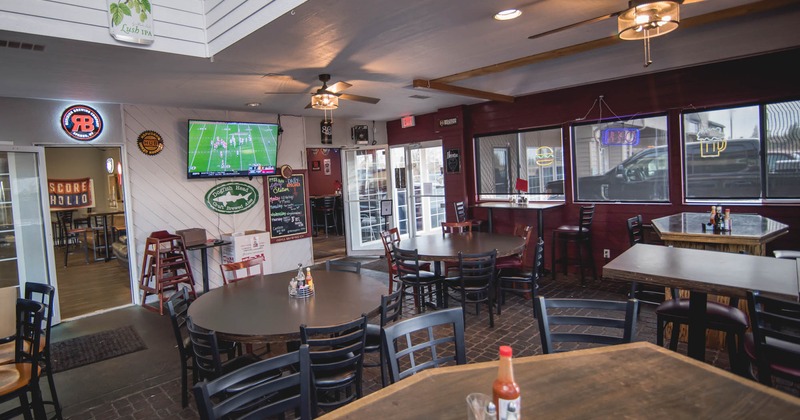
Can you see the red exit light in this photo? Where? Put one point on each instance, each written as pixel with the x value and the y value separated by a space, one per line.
pixel 407 121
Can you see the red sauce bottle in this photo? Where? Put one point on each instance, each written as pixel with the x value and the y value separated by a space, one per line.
pixel 504 389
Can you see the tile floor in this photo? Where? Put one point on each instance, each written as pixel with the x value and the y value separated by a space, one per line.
pixel 146 384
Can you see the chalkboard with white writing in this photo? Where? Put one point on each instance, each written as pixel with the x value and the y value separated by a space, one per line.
pixel 287 207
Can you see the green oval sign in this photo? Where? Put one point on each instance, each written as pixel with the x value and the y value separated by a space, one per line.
pixel 232 197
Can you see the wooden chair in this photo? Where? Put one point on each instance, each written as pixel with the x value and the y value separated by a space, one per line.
pixel 461 215
pixel 30 321
pixel 412 276
pixel 241 270
pixel 523 281
pixel 475 282
pixel 581 236
pixel 337 361
pixel 390 239
pixel 413 339
pixel 574 315
pixel 774 345
pixel 345 266
pixel 289 391
pixel 391 311
pixel 456 227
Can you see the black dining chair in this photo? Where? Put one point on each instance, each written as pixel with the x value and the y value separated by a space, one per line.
pixel 575 322
pixel 337 362
pixel 581 236
pixel 207 361
pixel 27 352
pixel 290 391
pixel 45 294
pixel 391 311
pixel 524 280
pixel 410 345
pixel 423 284
pixel 774 345
pixel 474 283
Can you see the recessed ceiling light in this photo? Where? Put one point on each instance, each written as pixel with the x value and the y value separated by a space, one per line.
pixel 253 104
pixel 508 14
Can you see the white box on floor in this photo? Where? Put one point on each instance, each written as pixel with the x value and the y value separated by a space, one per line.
pixel 246 246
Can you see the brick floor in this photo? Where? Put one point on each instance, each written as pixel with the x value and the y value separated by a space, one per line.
pixel 516 327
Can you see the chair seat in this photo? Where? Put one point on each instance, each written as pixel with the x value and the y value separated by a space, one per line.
pixel 423 276
pixel 23 373
pixel 786 363
pixel 569 230
pixel 508 262
pixel 334 378
pixel 373 338
pixel 717 313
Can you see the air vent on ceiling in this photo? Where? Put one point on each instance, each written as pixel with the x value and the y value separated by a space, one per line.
pixel 21 45
pixel 419 97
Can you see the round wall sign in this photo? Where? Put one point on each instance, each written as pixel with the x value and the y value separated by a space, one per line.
pixel 150 142
pixel 82 122
pixel 232 197
pixel 286 171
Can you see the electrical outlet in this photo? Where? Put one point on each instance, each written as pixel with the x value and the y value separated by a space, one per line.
pixel 606 253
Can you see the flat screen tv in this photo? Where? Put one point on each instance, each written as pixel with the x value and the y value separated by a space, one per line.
pixel 225 148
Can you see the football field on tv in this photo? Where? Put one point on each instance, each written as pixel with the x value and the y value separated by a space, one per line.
pixel 219 147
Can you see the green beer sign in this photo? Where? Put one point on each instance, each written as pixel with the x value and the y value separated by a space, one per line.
pixel 232 197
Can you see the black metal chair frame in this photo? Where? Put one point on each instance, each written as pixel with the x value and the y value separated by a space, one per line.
pixel 575 318
pixel 325 208
pixel 411 277
pixel 45 294
pixel 207 361
pixel 30 319
pixel 337 361
pixel 391 311
pixel 263 399
pixel 430 346
pixel 521 281
pixel 178 308
pixel 345 266
pixel 776 336
pixel 580 235
pixel 475 283
pixel 636 236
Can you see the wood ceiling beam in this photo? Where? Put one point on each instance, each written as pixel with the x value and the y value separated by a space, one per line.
pixel 733 12
pixel 458 90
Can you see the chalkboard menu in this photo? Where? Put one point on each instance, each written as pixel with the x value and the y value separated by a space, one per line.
pixel 287 207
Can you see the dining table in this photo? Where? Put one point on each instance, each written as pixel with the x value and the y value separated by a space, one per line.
pixel 631 381
pixel 749 233
pixel 444 247
pixel 538 206
pixel 705 272
pixel 104 215
pixel 259 309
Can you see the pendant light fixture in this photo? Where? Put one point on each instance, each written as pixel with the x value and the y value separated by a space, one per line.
pixel 648 19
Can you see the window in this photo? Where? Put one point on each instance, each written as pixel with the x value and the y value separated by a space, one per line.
pixel 534 156
pixel 723 156
pixel 621 161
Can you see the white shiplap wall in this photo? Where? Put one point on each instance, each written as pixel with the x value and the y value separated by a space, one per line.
pixel 162 198
pixel 231 20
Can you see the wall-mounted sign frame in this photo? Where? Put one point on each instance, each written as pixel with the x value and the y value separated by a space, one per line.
pixel 231 197
pixel 453 161
pixel 326 131
pixel 150 143
pixel 288 214
pixel 131 21
pixel 386 208
pixel 82 122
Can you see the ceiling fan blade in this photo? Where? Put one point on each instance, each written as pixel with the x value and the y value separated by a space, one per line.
pixel 338 87
pixel 359 98
pixel 691 1
pixel 584 22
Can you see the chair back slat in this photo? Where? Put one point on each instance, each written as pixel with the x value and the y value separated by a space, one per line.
pixel 391 307
pixel 205 351
pixel 586 217
pixel 776 335
pixel 635 230
pixel 417 335
pixel 456 227
pixel 461 211
pixel 595 329
pixel 240 270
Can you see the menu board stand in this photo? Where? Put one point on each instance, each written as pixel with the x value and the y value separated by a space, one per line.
pixel 287 207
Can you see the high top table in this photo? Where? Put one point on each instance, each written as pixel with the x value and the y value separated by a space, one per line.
pixel 259 309
pixel 631 381
pixel 704 272
pixel 539 207
pixel 750 232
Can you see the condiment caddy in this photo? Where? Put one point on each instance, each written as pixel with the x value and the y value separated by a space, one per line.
pixel 301 286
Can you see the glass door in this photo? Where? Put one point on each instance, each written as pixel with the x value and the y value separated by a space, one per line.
pixel 418 178
pixel 366 185
pixel 25 230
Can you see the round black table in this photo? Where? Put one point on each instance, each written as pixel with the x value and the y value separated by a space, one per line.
pixel 260 310
pixel 445 247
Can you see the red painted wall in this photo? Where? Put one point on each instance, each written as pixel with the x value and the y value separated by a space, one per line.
pixel 770 77
pixel 318 182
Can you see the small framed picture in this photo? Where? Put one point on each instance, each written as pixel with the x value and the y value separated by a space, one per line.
pixel 453 161
pixel 326 165
pixel 386 207
pixel 316 165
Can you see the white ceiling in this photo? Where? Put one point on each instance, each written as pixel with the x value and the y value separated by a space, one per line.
pixel 380 46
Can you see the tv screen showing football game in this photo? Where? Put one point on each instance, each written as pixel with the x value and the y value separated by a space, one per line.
pixel 224 148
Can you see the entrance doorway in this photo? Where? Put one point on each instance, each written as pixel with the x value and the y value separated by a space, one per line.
pixel 325 198
pixel 418 178
pixel 87 215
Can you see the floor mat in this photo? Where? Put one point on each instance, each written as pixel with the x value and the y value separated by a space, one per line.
pixel 92 348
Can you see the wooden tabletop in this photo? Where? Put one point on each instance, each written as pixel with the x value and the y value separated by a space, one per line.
pixel 747 229
pixel 445 247
pixel 712 272
pixel 637 380
pixel 260 309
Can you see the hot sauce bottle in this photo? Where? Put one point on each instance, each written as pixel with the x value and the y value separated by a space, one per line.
pixel 504 389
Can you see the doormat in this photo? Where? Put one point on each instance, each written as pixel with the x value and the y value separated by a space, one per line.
pixel 92 348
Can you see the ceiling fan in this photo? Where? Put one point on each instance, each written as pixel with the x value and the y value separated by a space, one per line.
pixel 326 95
pixel 631 5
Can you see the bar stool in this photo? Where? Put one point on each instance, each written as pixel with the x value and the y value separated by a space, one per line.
pixel 581 236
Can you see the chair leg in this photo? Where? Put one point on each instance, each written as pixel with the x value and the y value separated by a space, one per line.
pixel 26 407
pixel 52 383
pixel 660 331
pixel 580 262
pixel 184 384
pixel 673 340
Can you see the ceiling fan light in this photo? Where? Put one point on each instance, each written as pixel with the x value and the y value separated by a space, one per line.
pixel 647 20
pixel 324 101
